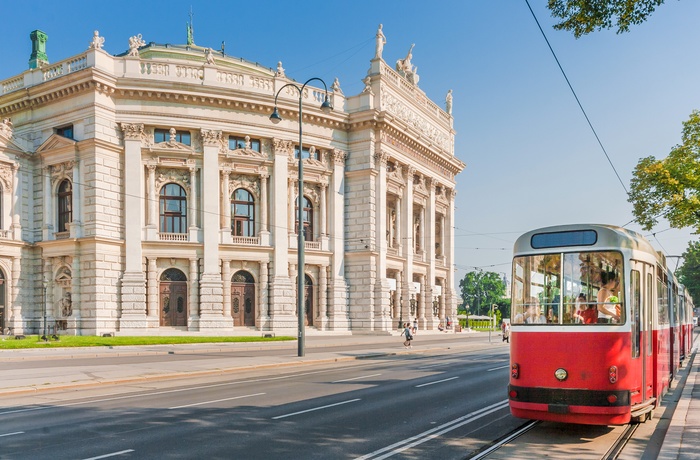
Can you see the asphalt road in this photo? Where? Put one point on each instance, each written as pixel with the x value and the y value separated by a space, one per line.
pixel 444 405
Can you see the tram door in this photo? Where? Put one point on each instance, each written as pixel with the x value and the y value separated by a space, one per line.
pixel 642 289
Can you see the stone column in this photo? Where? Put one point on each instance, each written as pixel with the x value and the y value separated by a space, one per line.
pixel 324 210
pixel 226 236
pixel 282 304
pixel 211 307
pixel 74 321
pixel 16 226
pixel 153 307
pixel 400 314
pixel 192 289
pixel 399 242
pixel 226 279
pixel 442 303
pixel 382 319
pixel 48 205
pixel 133 282
pixel 152 205
pixel 429 232
pixel 322 296
pixel 442 236
pixel 263 317
pixel 338 315
pixel 17 322
pixel 451 294
pixel 264 232
pixel 407 226
pixel 76 226
pixel 192 203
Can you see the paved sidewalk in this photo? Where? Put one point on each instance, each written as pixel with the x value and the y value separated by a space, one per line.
pixel 682 441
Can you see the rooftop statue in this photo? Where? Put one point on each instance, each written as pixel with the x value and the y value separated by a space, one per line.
pixel 280 70
pixel 97 42
pixel 448 102
pixel 135 43
pixel 381 41
pixel 335 87
pixel 406 69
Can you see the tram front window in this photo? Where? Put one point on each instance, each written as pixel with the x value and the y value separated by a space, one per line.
pixel 578 288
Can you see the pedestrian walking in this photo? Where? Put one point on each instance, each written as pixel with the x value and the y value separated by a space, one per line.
pixel 415 325
pixel 407 332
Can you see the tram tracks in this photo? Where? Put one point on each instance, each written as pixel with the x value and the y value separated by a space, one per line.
pixel 616 449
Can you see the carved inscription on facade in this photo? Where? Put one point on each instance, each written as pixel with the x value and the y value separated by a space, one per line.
pixel 394 105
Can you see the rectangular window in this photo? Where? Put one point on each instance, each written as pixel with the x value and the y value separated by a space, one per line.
pixel 163 135
pixel 636 307
pixel 647 310
pixel 237 142
pixel 559 239
pixel 65 131
pixel 579 288
pixel 305 152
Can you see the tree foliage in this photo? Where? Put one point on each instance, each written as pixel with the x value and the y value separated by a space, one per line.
pixel 482 289
pixel 689 273
pixel 670 188
pixel 585 16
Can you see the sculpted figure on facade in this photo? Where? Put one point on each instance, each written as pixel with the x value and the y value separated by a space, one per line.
pixel 135 43
pixel 65 305
pixel 6 127
pixel 280 70
pixel 406 69
pixel 97 42
pixel 335 87
pixel 132 131
pixel 209 55
pixel 381 41
pixel 211 137
pixel 448 102
pixel 368 84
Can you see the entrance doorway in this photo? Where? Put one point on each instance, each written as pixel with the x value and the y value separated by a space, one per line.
pixel 3 316
pixel 173 298
pixel 243 299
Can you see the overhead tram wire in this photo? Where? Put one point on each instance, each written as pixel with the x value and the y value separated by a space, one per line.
pixel 577 99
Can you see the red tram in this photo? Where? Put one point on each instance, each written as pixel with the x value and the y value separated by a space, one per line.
pixel 599 326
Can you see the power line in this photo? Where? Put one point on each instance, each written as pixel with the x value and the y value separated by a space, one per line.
pixel 576 97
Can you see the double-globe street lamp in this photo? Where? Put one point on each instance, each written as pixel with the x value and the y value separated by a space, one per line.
pixel 275 118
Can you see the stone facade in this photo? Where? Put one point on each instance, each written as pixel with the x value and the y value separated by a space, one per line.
pixel 149 192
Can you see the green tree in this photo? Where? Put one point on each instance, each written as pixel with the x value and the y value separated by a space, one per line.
pixel 689 273
pixel 670 188
pixel 480 290
pixel 584 16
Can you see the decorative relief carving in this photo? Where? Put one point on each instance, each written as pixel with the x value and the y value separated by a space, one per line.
pixel 247 151
pixel 247 182
pixel 62 170
pixel 179 176
pixel 394 171
pixel 133 131
pixel 6 176
pixel 380 159
pixel 283 147
pixel 211 137
pixel 396 106
pixel 339 157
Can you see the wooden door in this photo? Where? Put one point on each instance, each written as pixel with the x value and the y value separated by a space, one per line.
pixel 173 304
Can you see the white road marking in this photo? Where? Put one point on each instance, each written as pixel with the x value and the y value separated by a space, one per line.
pixel 496 368
pixel 357 378
pixel 215 401
pixel 426 436
pixel 11 434
pixel 437 381
pixel 113 454
pixel 179 390
pixel 315 409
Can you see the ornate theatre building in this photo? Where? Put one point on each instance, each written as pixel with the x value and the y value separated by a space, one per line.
pixel 148 193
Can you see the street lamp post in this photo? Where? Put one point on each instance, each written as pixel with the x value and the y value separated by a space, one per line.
pixel 494 307
pixel 275 118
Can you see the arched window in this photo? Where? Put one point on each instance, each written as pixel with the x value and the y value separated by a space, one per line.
pixel 173 209
pixel 242 213
pixel 173 274
pixel 65 205
pixel 307 218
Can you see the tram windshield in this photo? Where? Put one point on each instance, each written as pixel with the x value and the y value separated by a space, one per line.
pixel 579 288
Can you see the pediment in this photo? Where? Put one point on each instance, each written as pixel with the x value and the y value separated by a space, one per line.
pixel 8 145
pixel 55 142
pixel 173 146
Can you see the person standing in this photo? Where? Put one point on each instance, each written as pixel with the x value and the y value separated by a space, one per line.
pixel 407 332
pixel 415 325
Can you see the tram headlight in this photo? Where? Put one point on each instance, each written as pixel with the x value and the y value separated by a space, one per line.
pixel 514 371
pixel 561 374
pixel 612 374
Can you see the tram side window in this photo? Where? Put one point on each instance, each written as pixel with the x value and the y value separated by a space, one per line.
pixel 635 305
pixel 570 288
pixel 662 292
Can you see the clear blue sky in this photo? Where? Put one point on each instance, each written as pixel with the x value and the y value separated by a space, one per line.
pixel 531 158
